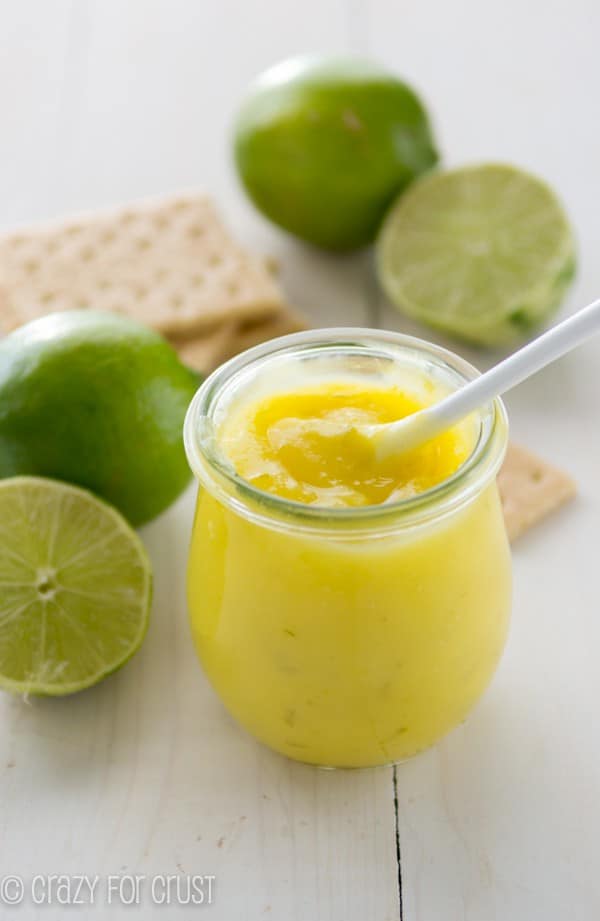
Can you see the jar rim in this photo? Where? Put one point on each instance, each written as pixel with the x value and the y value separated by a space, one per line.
pixel 287 514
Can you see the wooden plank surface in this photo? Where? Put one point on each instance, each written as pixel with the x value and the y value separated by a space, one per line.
pixel 501 820
pixel 146 774
pixel 105 101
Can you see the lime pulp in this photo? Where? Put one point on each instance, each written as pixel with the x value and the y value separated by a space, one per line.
pixel 75 588
pixel 485 253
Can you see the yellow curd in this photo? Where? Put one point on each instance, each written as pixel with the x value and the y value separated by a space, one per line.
pixel 348 611
pixel 307 446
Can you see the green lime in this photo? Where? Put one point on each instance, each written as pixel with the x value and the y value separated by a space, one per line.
pixel 323 145
pixel 97 400
pixel 75 588
pixel 485 253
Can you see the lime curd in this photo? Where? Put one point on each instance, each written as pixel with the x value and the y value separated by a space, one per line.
pixel 348 610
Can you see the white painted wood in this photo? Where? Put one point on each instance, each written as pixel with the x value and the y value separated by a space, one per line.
pixel 104 100
pixel 34 42
pixel 146 774
pixel 501 821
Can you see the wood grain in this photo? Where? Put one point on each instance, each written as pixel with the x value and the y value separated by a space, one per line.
pixel 105 101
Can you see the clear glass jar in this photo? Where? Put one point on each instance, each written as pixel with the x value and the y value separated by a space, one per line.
pixel 357 636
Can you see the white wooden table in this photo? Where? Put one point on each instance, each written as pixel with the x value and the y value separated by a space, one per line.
pixel 106 100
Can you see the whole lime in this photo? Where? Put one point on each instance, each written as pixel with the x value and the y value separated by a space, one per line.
pixel 324 145
pixel 97 400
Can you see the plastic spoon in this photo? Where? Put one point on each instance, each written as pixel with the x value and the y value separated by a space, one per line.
pixel 410 432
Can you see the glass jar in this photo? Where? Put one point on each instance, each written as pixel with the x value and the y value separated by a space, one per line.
pixel 347 637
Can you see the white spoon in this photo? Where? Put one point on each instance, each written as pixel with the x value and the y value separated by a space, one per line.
pixel 410 432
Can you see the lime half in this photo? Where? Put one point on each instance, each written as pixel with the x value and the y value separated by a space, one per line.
pixel 485 253
pixel 75 588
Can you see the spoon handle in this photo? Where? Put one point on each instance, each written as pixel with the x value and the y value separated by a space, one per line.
pixel 517 367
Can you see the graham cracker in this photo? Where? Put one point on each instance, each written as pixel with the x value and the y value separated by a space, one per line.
pixel 530 489
pixel 205 353
pixel 170 264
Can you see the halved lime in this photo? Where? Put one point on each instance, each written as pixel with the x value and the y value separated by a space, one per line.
pixel 75 588
pixel 485 252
